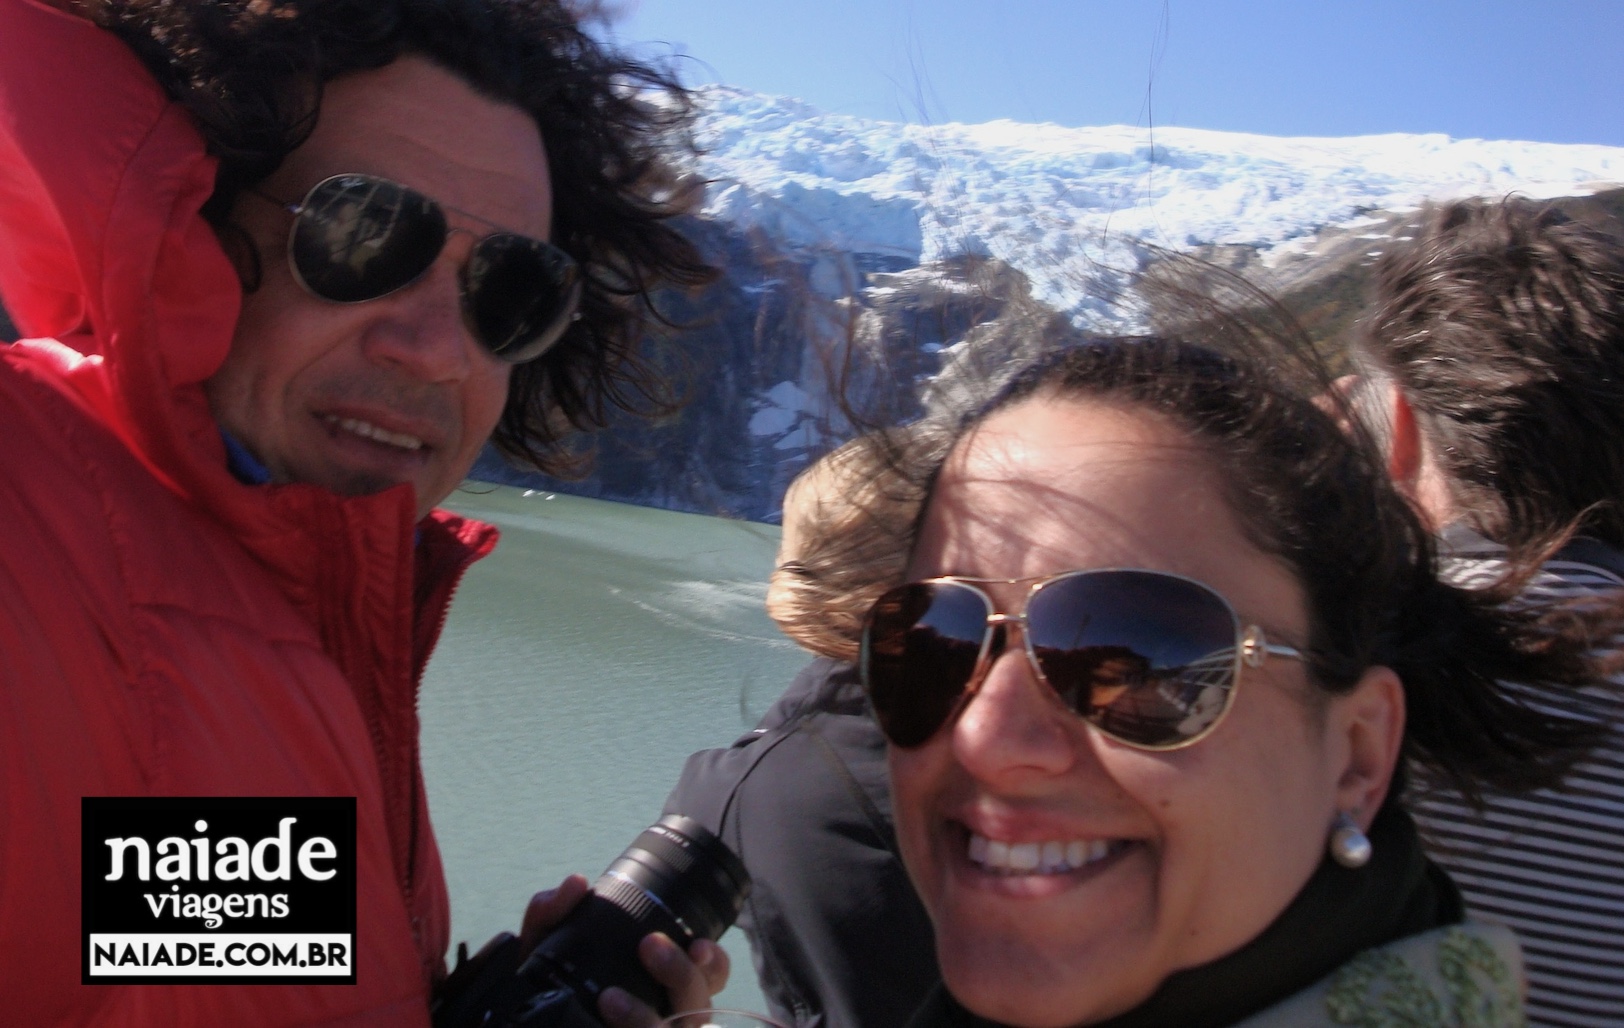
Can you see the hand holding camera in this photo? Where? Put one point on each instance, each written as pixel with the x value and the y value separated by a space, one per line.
pixel 690 978
pixel 637 945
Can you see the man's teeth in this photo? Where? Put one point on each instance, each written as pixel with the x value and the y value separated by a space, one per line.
pixel 1053 857
pixel 370 431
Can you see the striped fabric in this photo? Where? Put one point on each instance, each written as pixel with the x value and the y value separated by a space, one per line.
pixel 1551 864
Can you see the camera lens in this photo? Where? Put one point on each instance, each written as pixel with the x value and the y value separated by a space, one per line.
pixel 680 869
pixel 677 878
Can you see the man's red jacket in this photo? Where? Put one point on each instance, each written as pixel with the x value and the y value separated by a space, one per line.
pixel 164 629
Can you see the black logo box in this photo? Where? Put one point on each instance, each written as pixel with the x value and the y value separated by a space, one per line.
pixel 312 906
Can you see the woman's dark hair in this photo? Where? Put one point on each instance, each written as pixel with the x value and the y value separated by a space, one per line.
pixel 1502 324
pixel 1316 496
pixel 251 72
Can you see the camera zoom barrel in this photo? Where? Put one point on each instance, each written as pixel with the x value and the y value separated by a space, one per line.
pixel 677 878
pixel 684 871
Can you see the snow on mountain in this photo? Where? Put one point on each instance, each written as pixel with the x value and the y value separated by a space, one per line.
pixel 1070 207
pixel 834 230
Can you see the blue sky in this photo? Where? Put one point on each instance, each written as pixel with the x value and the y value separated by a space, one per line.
pixel 1546 70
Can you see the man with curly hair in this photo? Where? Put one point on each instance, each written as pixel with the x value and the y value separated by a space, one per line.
pixel 283 267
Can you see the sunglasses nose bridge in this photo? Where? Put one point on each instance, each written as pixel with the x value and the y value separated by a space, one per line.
pixel 453 260
pixel 1001 626
pixel 1005 728
pixel 457 247
pixel 1001 640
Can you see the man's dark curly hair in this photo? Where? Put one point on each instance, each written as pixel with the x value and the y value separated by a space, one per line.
pixel 251 72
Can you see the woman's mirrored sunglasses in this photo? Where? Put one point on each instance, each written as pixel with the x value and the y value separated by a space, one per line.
pixel 1148 658
pixel 358 237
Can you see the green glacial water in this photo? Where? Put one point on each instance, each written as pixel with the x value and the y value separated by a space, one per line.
pixel 582 663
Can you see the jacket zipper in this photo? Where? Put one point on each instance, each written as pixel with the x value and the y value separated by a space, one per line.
pixel 439 601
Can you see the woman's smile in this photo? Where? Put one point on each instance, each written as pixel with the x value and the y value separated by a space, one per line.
pixel 1016 856
pixel 1053 857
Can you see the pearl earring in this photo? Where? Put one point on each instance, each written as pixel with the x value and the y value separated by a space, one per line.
pixel 1349 846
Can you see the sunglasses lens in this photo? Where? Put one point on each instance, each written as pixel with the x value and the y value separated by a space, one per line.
pixel 358 238
pixel 1148 659
pixel 920 648
pixel 520 295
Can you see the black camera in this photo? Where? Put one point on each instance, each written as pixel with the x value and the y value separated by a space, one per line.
pixel 677 878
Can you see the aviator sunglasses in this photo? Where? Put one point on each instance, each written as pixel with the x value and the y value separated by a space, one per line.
pixel 1150 659
pixel 359 237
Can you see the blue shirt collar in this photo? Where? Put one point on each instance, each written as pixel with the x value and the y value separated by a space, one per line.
pixel 247 469
pixel 244 466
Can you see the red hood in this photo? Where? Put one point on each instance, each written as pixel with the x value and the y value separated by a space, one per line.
pixel 101 244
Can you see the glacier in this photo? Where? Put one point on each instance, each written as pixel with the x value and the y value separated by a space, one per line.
pixel 1075 209
pixel 831 228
